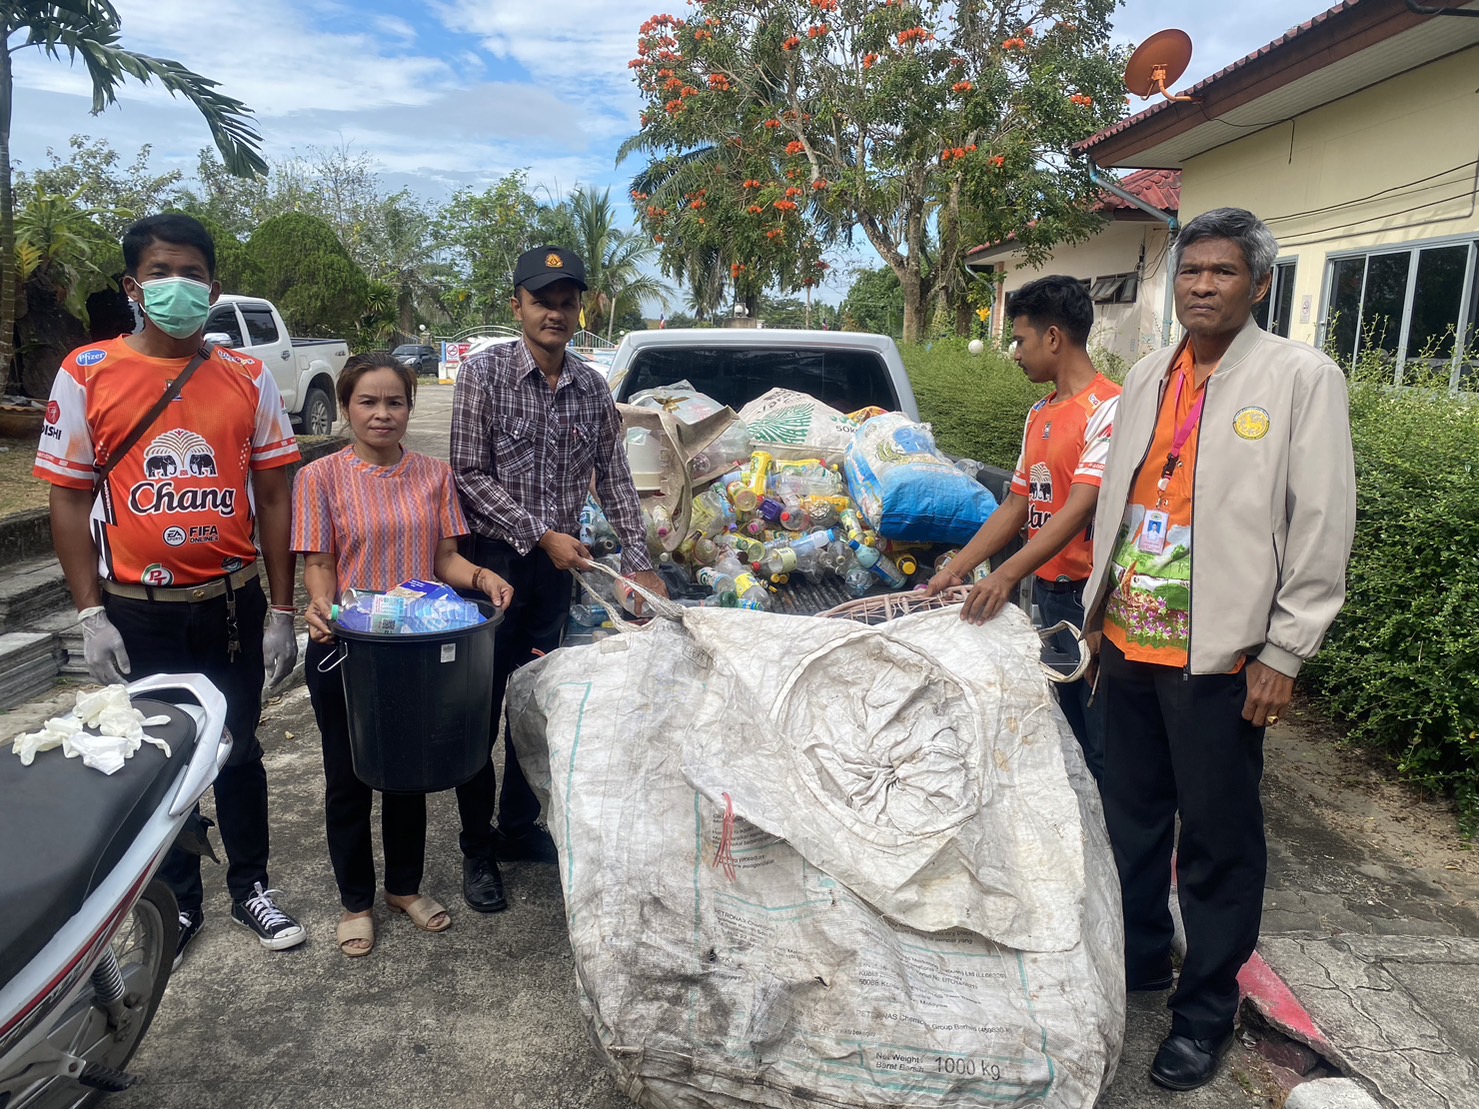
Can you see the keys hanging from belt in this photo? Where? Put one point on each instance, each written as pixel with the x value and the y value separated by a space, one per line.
pixel 233 632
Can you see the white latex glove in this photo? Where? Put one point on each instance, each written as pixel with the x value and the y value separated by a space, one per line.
pixel 102 647
pixel 279 646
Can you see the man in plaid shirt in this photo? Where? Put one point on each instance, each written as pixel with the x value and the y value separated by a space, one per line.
pixel 530 426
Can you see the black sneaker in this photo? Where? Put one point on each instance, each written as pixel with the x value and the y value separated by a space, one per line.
pixel 274 928
pixel 191 922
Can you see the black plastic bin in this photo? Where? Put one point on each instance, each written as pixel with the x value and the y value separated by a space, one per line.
pixel 419 705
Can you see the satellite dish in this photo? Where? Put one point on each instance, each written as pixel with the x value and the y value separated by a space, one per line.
pixel 1159 61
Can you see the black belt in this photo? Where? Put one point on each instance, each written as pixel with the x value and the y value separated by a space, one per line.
pixel 1062 585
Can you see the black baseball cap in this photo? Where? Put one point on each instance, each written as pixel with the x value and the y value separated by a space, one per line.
pixel 544 265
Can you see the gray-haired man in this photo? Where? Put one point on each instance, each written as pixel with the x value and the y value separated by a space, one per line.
pixel 1247 436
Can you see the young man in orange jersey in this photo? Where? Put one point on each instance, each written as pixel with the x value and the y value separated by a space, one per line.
pixel 160 556
pixel 1056 483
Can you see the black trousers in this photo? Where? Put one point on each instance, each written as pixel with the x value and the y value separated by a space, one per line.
pixel 164 637
pixel 1086 720
pixel 1178 743
pixel 347 801
pixel 531 626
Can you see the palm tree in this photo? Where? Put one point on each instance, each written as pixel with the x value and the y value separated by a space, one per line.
pixel 614 259
pixel 88 29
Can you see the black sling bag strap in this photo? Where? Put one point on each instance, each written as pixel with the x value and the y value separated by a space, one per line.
pixel 170 393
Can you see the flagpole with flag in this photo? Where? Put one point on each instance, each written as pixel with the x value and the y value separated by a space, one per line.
pixel 662 320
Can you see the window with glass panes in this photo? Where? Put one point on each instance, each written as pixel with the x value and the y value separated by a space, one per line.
pixel 1273 312
pixel 1415 308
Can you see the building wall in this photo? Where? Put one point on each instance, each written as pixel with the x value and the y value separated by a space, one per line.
pixel 1125 330
pixel 1391 164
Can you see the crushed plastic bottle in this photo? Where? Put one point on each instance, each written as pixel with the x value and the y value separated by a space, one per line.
pixel 753 486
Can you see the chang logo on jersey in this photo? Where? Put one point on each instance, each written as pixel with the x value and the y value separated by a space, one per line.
pixel 1039 493
pixel 231 356
pixel 91 357
pixel 169 461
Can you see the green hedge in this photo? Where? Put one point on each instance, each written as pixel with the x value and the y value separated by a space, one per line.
pixel 1400 668
pixel 977 403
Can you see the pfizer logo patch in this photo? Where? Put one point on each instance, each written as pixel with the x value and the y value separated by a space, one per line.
pixel 53 412
pixel 91 357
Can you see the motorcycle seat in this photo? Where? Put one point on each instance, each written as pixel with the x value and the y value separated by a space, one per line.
pixel 65 826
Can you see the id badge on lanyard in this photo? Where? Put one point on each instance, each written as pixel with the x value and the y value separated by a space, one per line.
pixel 1152 538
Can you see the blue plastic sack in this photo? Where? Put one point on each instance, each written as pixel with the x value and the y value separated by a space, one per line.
pixel 907 490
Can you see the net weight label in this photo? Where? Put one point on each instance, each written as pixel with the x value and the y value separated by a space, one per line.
pixel 449 652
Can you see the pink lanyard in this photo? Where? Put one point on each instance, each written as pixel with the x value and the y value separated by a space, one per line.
pixel 1182 434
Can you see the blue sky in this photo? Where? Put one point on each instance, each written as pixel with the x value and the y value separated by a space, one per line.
pixel 445 93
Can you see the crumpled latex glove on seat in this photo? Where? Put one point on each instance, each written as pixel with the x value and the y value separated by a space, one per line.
pixel 118 732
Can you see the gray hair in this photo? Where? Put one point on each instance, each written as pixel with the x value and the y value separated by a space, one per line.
pixel 1252 235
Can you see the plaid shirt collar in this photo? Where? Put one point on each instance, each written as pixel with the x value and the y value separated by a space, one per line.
pixel 521 365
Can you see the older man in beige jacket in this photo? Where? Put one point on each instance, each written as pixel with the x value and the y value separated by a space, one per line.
pixel 1243 438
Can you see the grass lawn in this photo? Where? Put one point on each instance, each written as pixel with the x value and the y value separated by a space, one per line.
pixel 18 489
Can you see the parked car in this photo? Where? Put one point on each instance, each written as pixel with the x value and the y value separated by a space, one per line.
pixel 306 370
pixel 425 360
pixel 845 369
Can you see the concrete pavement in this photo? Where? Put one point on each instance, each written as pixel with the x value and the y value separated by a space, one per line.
pixel 485 1014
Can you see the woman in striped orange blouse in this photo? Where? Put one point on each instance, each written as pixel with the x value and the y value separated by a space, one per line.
pixel 370 517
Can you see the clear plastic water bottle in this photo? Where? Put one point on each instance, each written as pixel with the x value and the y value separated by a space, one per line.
pixel 589 616
pixel 871 559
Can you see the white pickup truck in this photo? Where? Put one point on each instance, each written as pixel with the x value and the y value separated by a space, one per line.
pixel 845 369
pixel 306 370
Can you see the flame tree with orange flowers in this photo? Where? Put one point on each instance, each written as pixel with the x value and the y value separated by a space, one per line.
pixel 776 129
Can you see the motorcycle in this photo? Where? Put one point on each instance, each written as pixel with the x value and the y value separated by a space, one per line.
pixel 87 934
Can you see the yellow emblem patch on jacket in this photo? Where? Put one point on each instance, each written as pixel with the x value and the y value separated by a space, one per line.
pixel 1251 423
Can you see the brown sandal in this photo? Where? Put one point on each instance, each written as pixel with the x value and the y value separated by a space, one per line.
pixel 358 928
pixel 422 912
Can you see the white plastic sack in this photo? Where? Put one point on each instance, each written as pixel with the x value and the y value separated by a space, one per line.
pixel 907 489
pixel 940 925
pixel 789 424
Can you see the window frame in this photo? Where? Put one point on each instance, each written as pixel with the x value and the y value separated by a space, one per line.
pixel 1277 286
pixel 260 310
pixel 1466 324
pixel 1115 286
pixel 217 309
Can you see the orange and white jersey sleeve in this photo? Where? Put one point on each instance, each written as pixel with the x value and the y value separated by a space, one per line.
pixel 65 455
pixel 1097 432
pixel 273 443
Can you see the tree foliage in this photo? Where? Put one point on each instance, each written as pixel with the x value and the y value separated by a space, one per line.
pixel 88 31
pixel 875 303
pixel 307 272
pixel 774 128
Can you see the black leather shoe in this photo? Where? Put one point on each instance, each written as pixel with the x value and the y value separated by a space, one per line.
pixel 1184 1064
pixel 482 886
pixel 533 846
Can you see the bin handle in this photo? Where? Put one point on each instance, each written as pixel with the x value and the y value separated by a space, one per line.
pixel 333 662
pixel 658 606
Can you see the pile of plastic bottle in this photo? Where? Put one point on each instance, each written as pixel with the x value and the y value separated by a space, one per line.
pixel 411 608
pixel 761 528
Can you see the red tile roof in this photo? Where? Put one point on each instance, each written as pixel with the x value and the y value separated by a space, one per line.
pixel 1160 188
pixel 1166 105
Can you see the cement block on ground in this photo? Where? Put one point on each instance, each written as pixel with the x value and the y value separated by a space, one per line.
pixel 1331 1093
